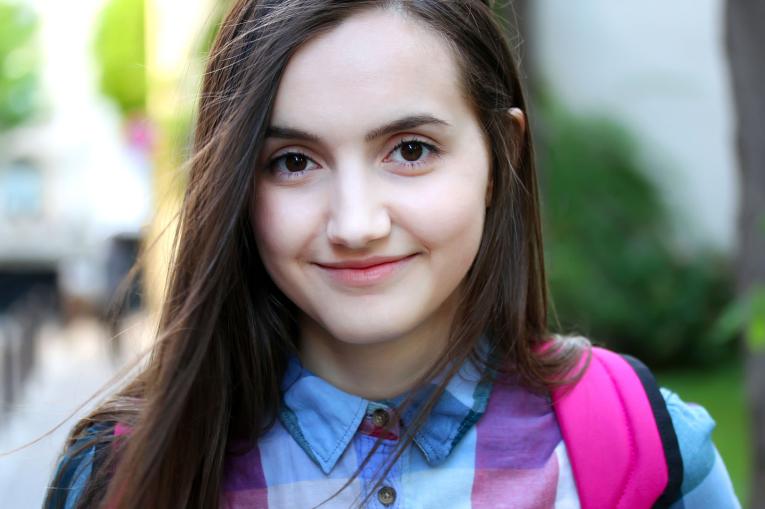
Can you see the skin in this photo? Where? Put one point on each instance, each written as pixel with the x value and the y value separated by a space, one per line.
pixel 357 196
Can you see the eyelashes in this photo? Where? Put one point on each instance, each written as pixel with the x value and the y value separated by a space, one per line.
pixel 413 147
pixel 409 153
pixel 292 163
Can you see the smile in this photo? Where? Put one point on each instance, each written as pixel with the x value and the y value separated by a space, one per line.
pixel 364 272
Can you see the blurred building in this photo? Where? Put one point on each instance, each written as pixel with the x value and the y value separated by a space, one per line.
pixel 75 183
pixel 75 196
pixel 659 69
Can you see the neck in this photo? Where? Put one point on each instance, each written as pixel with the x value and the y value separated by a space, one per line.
pixel 379 370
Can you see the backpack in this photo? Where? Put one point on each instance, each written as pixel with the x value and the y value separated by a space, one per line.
pixel 619 436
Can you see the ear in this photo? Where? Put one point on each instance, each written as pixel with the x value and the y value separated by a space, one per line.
pixel 518 118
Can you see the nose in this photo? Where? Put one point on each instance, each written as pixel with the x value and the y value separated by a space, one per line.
pixel 358 214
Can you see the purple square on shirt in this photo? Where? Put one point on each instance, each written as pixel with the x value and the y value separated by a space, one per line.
pixel 518 430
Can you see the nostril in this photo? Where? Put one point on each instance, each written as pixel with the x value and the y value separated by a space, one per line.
pixel 357 229
pixel 358 212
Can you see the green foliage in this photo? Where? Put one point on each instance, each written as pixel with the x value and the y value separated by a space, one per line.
pixel 755 328
pixel 180 128
pixel 614 273
pixel 19 63
pixel 210 32
pixel 121 54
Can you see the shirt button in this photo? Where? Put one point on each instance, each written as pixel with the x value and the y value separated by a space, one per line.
pixel 386 495
pixel 380 418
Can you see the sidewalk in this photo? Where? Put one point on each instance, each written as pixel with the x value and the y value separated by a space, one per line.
pixel 72 364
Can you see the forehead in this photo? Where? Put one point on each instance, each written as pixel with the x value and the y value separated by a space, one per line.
pixel 375 66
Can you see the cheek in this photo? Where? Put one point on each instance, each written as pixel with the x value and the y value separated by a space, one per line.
pixel 448 211
pixel 284 223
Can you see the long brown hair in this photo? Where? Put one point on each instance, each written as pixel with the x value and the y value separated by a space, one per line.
pixel 226 330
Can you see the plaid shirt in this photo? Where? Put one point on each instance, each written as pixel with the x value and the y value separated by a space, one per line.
pixel 484 445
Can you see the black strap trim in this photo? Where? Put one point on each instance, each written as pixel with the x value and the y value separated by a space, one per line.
pixel 672 492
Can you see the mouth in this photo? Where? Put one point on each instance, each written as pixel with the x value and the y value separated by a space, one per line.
pixel 366 271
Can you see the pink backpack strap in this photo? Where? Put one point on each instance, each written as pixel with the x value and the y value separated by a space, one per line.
pixel 121 430
pixel 619 436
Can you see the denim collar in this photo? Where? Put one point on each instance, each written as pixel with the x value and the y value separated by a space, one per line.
pixel 323 419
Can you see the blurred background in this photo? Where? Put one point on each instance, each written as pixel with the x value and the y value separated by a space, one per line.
pixel 649 126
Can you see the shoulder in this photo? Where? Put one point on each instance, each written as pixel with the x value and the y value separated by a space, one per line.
pixel 617 400
pixel 705 478
pixel 82 455
pixel 693 427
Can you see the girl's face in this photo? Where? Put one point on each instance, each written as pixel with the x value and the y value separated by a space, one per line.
pixel 372 185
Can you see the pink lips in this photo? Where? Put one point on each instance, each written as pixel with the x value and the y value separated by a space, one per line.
pixel 364 272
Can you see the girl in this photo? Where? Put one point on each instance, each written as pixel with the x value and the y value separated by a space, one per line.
pixel 356 311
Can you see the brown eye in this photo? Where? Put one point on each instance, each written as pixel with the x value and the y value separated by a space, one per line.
pixel 411 150
pixel 413 153
pixel 295 162
pixel 292 165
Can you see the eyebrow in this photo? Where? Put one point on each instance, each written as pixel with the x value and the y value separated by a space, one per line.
pixel 401 124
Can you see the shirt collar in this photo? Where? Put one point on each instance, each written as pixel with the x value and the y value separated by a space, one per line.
pixel 323 419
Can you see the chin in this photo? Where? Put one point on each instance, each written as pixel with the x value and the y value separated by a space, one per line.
pixel 364 329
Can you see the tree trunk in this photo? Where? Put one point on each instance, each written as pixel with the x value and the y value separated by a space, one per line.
pixel 745 40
